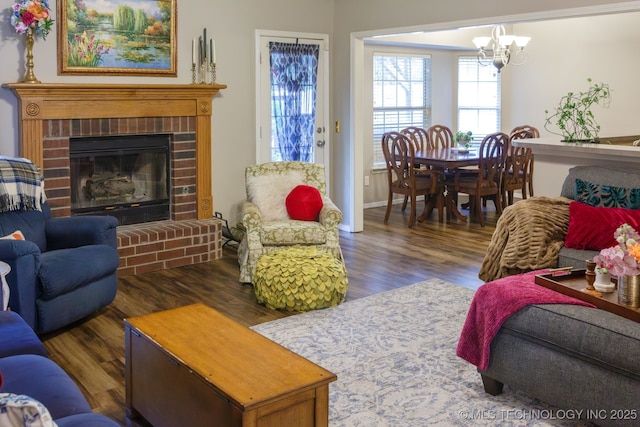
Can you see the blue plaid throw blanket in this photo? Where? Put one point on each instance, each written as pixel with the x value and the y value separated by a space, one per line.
pixel 21 185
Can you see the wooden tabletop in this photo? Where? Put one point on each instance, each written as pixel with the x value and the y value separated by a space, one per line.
pixel 448 158
pixel 248 368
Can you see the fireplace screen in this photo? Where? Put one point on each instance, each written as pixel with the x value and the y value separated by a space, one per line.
pixel 123 176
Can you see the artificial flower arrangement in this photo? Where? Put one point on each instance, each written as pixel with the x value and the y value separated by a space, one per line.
pixel 624 258
pixel 32 15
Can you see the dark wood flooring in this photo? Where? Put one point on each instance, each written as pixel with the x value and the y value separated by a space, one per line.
pixel 380 258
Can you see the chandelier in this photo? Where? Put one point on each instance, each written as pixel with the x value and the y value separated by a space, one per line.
pixel 501 48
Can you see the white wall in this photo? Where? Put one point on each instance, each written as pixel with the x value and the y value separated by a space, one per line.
pixel 602 48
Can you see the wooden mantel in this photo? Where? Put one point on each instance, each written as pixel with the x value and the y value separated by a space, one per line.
pixel 39 102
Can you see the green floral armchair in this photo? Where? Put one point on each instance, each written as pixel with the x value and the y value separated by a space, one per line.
pixel 264 214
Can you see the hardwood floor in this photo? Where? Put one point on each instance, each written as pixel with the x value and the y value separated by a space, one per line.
pixel 381 258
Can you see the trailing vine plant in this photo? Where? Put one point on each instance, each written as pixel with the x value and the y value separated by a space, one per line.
pixel 573 115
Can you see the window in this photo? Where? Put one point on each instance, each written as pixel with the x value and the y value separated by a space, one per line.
pixel 478 97
pixel 401 96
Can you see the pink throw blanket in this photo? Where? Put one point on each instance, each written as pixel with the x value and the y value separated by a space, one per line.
pixel 492 305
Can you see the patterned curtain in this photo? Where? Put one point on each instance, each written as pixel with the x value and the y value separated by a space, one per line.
pixel 294 70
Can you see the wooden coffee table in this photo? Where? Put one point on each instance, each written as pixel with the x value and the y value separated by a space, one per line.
pixel 193 366
pixel 574 284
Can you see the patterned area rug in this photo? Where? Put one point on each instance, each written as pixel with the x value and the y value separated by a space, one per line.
pixel 394 355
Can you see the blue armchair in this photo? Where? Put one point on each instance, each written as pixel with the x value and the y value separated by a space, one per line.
pixel 64 270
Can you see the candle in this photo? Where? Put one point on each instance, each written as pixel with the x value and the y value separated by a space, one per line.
pixel 213 50
pixel 211 58
pixel 201 51
pixel 204 46
pixel 193 51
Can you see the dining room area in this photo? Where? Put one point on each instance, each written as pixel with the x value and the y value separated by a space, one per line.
pixel 440 136
pixel 436 169
pixel 522 94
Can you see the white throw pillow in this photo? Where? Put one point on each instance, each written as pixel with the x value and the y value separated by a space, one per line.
pixel 18 410
pixel 5 293
pixel 16 235
pixel 269 193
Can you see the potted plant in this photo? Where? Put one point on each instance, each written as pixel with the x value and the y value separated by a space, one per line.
pixel 463 139
pixel 573 115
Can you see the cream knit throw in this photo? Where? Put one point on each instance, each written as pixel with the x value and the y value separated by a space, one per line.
pixel 528 236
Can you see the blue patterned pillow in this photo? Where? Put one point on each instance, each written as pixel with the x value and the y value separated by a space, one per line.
pixel 607 196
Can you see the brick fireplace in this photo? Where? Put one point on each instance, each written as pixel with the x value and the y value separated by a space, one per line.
pixel 51 114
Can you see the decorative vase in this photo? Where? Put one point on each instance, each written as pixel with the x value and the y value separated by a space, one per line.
pixel 629 291
pixel 30 76
pixel 603 282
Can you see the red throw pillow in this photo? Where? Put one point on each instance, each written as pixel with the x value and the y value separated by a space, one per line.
pixel 592 227
pixel 304 203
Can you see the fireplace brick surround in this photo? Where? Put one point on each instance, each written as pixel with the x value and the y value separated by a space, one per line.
pixel 50 114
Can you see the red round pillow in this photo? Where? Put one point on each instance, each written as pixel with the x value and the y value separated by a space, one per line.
pixel 304 203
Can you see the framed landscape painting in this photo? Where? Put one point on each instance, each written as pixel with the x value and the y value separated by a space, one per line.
pixel 117 37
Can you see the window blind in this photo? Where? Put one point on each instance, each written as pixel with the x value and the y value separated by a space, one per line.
pixel 478 97
pixel 401 96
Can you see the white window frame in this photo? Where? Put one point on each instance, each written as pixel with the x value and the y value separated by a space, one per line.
pixel 486 97
pixel 411 110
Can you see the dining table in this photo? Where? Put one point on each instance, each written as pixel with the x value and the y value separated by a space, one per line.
pixel 451 160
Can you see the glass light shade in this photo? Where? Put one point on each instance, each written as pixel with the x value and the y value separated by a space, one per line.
pixel 521 41
pixel 505 41
pixel 500 46
pixel 481 41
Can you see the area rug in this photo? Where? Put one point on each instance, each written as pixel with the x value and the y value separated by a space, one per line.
pixel 394 355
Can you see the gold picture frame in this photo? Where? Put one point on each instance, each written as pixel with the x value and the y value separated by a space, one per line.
pixel 117 37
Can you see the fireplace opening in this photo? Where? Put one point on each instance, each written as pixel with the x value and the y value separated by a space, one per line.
pixel 123 176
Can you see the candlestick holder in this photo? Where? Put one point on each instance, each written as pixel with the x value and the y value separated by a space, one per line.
pixel 194 74
pixel 203 73
pixel 212 70
pixel 30 76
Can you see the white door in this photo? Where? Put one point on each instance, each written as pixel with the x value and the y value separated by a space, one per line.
pixel 267 144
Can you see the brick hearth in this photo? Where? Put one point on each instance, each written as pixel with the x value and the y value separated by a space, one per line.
pixel 49 117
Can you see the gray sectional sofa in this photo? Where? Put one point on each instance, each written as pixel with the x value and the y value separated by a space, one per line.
pixel 579 359
pixel 576 358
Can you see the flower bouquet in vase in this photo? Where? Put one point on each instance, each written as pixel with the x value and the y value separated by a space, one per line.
pixel 622 261
pixel 31 17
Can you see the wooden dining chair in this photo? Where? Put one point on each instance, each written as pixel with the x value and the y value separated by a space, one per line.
pixel 399 154
pixel 524 132
pixel 440 136
pixel 486 180
pixel 418 136
pixel 514 172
